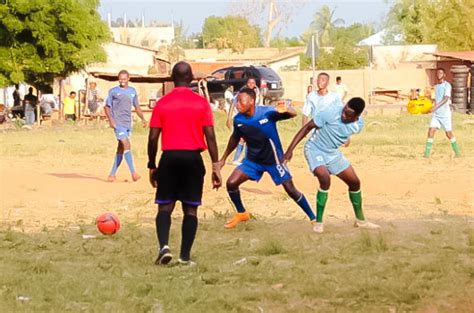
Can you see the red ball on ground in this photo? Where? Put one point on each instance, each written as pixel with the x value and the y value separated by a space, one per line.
pixel 108 223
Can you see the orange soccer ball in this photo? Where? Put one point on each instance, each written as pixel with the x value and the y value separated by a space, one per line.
pixel 108 223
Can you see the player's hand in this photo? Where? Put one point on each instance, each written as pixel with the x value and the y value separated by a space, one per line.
pixel 431 110
pixel 145 123
pixel 216 175
pixel 281 107
pixel 153 182
pixel 228 123
pixel 287 157
pixel 112 124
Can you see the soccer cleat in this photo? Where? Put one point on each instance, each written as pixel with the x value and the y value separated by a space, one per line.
pixel 238 217
pixel 318 227
pixel 365 224
pixel 186 262
pixel 135 176
pixel 164 257
pixel 111 179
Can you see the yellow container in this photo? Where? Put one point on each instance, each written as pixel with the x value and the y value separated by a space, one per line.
pixel 422 105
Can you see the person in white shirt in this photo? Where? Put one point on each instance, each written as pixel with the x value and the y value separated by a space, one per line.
pixel 340 88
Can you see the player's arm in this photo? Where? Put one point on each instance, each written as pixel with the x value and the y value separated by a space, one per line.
pixel 440 104
pixel 108 105
pixel 296 140
pixel 210 135
pixel 284 111
pixel 153 137
pixel 229 121
pixel 139 111
pixel 234 140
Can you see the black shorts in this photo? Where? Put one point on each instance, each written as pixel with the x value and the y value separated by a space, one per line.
pixel 180 177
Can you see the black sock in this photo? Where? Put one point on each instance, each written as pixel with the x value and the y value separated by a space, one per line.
pixel 188 230
pixel 163 224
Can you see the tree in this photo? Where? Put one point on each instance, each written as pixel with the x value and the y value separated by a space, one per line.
pixel 269 14
pixel 323 25
pixel 447 23
pixel 234 32
pixel 44 39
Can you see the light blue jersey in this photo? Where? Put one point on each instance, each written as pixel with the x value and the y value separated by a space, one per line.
pixel 321 149
pixel 120 102
pixel 443 90
pixel 332 131
pixel 315 103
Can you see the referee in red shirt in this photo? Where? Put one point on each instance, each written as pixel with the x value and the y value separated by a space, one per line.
pixel 183 119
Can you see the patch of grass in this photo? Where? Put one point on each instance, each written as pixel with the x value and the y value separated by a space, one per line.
pixel 278 269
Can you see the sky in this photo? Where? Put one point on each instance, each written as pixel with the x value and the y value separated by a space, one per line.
pixel 194 12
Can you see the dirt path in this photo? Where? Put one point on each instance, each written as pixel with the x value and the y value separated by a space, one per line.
pixel 34 197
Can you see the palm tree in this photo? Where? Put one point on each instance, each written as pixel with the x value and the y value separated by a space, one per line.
pixel 323 24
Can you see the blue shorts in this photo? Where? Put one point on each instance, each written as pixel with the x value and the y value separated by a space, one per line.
pixel 122 133
pixel 335 161
pixel 254 171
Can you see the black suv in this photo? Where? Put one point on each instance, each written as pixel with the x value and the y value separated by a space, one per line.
pixel 271 87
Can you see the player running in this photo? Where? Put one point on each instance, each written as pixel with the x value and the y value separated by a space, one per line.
pixel 335 124
pixel 257 126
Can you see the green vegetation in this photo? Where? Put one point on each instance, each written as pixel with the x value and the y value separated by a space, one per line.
pixel 230 32
pixel 44 39
pixel 433 22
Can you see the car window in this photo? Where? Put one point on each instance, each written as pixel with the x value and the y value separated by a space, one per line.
pixel 220 75
pixel 237 74
pixel 268 73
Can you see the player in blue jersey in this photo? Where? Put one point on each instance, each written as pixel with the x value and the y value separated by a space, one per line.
pixel 335 124
pixel 257 126
pixel 118 109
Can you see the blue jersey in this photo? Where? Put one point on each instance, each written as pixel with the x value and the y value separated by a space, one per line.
pixel 332 131
pixel 260 134
pixel 120 102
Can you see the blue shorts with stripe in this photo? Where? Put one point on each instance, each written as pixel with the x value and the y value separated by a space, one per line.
pixel 122 132
pixel 334 161
pixel 278 172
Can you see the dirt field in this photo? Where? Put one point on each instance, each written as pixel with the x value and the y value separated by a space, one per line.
pixel 62 180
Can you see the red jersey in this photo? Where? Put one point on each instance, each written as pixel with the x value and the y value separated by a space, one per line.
pixel 181 115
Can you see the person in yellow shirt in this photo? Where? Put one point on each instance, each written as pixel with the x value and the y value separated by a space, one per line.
pixel 70 107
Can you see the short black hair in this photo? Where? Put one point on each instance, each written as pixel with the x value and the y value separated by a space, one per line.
pixel 72 93
pixel 252 77
pixel 123 72
pixel 324 73
pixel 441 69
pixel 357 104
pixel 182 73
pixel 250 92
pixel 338 78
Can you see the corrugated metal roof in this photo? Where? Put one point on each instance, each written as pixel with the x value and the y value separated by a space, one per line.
pixel 458 55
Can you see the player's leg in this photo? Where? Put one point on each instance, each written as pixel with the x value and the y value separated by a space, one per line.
pixel 188 231
pixel 127 154
pixel 434 125
pixel 167 178
pixel 324 178
pixel 237 178
pixel 349 177
pixel 299 198
pixel 238 152
pixel 447 126
pixel 163 225
pixel 117 161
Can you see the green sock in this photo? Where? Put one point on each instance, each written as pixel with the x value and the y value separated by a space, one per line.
pixel 454 145
pixel 429 145
pixel 356 199
pixel 321 199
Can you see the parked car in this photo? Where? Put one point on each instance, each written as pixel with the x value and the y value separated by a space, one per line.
pixel 270 84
